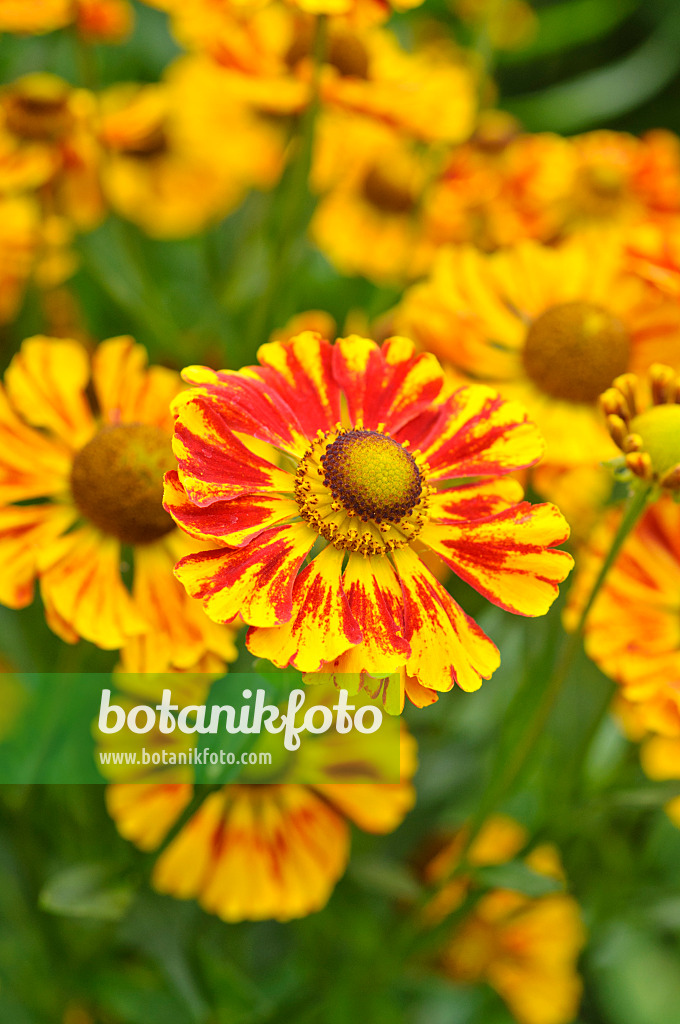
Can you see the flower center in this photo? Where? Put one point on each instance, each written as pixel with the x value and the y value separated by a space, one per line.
pixel 659 429
pixel 362 491
pixel 345 51
pixel 575 350
pixel 144 147
pixel 372 475
pixel 37 108
pixel 117 481
pixel 386 193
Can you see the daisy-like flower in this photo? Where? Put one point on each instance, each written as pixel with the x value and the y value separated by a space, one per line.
pixel 547 326
pixel 524 947
pixel 252 852
pixel 633 629
pixel 80 495
pixel 371 461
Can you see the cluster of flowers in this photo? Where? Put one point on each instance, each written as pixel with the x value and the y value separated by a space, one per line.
pixel 320 495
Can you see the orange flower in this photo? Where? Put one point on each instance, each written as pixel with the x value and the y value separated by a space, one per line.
pixel 524 947
pixel 78 488
pixel 252 852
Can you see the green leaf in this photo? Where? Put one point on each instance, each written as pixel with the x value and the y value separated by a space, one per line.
pixel 86 890
pixel 517 876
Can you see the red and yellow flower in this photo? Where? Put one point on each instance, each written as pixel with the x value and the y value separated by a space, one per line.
pixel 364 444
pixel 97 20
pixel 80 494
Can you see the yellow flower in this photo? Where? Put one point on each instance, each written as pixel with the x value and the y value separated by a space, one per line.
pixel 633 629
pixel 181 154
pixel 364 442
pixel 252 852
pixel 35 17
pixel 524 947
pixel 550 327
pixel 80 493
pixel 19 242
pixel 47 142
pixel 109 21
pixel 368 219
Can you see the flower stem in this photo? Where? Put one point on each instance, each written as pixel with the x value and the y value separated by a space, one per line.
pixel 509 770
pixel 293 213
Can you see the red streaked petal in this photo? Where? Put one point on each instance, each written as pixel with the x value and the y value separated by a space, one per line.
pixel 256 580
pixel 299 371
pixel 375 600
pixel 322 626
pixel 475 501
pixel 388 385
pixel 447 645
pixel 475 433
pixel 213 464
pixel 233 522
pixel 250 406
pixel 508 557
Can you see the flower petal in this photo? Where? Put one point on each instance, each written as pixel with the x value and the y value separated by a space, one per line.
pixel 256 581
pixel 233 522
pixel 83 591
pixel 508 557
pixel 322 626
pixel 213 464
pixel 129 392
pixel 257 852
pixel 475 501
pixel 46 383
pixel 180 633
pixel 24 531
pixel 475 433
pixel 388 385
pixel 299 371
pixel 31 465
pixel 251 407
pixel 145 812
pixel 375 600
pixel 447 645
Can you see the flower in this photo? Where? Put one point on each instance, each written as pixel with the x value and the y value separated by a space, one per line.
pixel 100 20
pixel 649 438
pixel 80 494
pixel 364 444
pixel 524 947
pixel 252 852
pixel 633 629
pixel 368 218
pixel 47 143
pixel 180 154
pixel 547 326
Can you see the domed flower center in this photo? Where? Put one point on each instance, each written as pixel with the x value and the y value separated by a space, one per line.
pixel 348 56
pixel 386 192
pixel 372 475
pixel 574 351
pixel 659 429
pixel 117 481
pixel 36 108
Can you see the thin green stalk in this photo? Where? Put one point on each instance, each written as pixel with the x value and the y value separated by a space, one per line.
pixel 502 783
pixel 291 217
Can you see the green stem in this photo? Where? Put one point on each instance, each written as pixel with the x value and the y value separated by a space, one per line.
pixel 291 217
pixel 502 783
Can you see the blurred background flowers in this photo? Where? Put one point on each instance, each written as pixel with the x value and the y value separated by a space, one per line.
pixel 185 181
